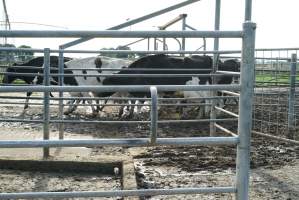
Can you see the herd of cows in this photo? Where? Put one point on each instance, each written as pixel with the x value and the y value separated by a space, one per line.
pixel 92 71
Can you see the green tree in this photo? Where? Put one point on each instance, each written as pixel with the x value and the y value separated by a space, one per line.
pixel 118 55
pixel 6 56
pixel 24 56
pixel 112 55
pixel 123 55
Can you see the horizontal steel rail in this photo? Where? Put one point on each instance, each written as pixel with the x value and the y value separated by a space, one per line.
pixel 111 69
pixel 117 193
pixel 120 98
pixel 121 75
pixel 59 121
pixel 149 52
pixel 277 49
pixel 232 73
pixel 119 34
pixel 127 88
pixel 227 112
pixel 119 142
pixel 112 104
pixel 230 93
pixel 179 52
pixel 295 142
pixel 225 130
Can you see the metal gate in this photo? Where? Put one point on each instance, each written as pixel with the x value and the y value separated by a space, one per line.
pixel 242 140
pixel 275 96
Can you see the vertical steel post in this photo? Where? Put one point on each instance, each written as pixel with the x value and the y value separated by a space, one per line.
pixel 155 44
pixel 164 44
pixel 291 110
pixel 245 111
pixel 217 22
pixel 154 114
pixel 248 8
pixel 148 44
pixel 46 113
pixel 60 83
pixel 215 60
pixel 184 28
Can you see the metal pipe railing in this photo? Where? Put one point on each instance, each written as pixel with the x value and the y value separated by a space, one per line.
pixel 119 75
pixel 118 122
pixel 245 111
pixel 154 115
pixel 122 98
pixel 227 112
pixel 225 130
pixel 133 21
pixel 119 34
pixel 118 142
pixel 291 100
pixel 10 49
pixel 46 109
pixel 117 193
pixel 129 88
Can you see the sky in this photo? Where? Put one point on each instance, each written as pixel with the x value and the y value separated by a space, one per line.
pixel 276 20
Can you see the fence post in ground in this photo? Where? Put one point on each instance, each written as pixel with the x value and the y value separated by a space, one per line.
pixel 245 111
pixel 60 83
pixel 46 113
pixel 291 100
pixel 183 29
pixel 215 61
pixel 154 114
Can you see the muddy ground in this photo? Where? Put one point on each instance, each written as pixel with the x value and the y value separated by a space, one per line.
pixel 274 164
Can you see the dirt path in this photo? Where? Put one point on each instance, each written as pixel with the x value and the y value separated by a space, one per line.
pixel 275 164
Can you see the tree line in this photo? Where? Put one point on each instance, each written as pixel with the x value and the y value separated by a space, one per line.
pixel 7 57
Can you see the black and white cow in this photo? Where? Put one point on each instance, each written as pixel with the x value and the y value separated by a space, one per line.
pixel 34 67
pixel 187 65
pixel 94 66
pixel 70 67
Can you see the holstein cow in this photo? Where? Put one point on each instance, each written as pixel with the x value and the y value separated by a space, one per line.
pixel 98 63
pixel 231 65
pixel 95 66
pixel 16 71
pixel 187 65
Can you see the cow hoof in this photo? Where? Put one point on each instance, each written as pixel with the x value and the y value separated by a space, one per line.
pixel 23 113
pixel 66 112
pixel 94 114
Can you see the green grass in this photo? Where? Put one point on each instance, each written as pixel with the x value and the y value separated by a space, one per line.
pixel 268 78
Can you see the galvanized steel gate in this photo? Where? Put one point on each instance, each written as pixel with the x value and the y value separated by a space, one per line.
pixel 275 96
pixel 242 140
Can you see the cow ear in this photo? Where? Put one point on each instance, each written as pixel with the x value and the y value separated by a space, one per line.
pixel 98 62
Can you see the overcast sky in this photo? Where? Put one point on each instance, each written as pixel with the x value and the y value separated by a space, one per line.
pixel 276 20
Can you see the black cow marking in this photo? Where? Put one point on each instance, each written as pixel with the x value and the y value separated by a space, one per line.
pixel 163 61
pixel 84 72
pixel 35 79
pixel 98 79
pixel 98 63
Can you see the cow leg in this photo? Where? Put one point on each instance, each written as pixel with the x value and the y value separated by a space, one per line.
pixel 126 111
pixel 207 108
pixel 26 105
pixel 100 108
pixel 28 94
pixel 73 104
pixel 93 110
pixel 137 108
